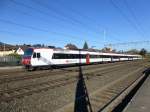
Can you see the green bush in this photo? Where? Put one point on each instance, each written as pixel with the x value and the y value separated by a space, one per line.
pixel 17 56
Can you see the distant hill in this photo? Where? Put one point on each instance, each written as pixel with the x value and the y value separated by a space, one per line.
pixel 7 46
pixel 1 43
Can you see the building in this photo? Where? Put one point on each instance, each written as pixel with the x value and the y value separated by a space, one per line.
pixel 4 53
pixel 20 51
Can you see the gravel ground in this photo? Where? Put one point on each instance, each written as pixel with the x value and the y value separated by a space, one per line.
pixel 53 99
pixel 49 75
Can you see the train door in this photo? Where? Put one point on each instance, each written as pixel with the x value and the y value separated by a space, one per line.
pixel 36 59
pixel 87 58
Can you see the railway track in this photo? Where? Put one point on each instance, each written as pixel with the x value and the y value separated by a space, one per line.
pixel 21 92
pixel 87 74
pixel 9 79
pixel 106 98
pixel 11 93
pixel 8 95
pixel 15 73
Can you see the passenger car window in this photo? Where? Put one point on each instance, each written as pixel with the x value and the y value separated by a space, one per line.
pixel 34 55
pixel 38 55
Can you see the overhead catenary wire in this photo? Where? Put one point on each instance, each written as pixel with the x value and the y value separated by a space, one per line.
pixel 126 17
pixel 37 29
pixel 58 16
pixel 21 35
pixel 60 13
pixel 41 19
pixel 73 21
pixel 35 9
pixel 134 17
pixel 129 43
pixel 92 20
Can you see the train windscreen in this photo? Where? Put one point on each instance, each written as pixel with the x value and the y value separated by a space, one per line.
pixel 28 52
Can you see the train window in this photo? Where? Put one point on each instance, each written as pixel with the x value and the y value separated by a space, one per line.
pixel 115 57
pixel 76 56
pixel 99 56
pixel 54 56
pixel 63 56
pixel 102 56
pixel 106 56
pixel 60 56
pixel 73 56
pixel 91 56
pixel 28 52
pixel 34 55
pixel 69 56
pixel 80 56
pixel 83 56
pixel 38 55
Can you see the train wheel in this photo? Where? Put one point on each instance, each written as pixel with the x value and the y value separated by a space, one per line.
pixel 30 68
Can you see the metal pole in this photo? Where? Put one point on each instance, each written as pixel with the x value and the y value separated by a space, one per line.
pixel 4 52
pixel 104 37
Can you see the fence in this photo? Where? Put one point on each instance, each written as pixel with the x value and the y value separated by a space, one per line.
pixel 10 61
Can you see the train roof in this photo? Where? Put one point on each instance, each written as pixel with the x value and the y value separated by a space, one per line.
pixel 58 50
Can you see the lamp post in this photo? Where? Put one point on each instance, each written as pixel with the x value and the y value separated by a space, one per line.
pixel 4 52
pixel 3 49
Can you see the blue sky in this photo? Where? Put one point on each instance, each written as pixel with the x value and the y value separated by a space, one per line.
pixel 58 22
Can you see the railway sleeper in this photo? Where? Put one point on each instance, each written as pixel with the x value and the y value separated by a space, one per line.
pixel 95 105
pixel 104 96
pixel 108 93
pixel 111 91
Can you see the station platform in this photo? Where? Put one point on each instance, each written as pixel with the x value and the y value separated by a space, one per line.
pixel 141 101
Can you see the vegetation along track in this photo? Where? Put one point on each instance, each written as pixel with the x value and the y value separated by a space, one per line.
pixel 11 93
pixel 50 73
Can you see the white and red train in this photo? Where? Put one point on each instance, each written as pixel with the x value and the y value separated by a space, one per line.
pixel 47 57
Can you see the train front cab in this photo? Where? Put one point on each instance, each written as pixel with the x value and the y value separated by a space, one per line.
pixel 30 59
pixel 26 60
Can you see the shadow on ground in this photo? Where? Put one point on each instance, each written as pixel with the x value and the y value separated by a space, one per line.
pixel 147 71
pixel 129 97
pixel 82 102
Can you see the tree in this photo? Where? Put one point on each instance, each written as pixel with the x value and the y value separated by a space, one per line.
pixel 143 52
pixel 114 51
pixel 71 46
pixel 106 49
pixel 85 46
pixel 132 51
pixel 17 56
pixel 37 45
